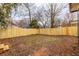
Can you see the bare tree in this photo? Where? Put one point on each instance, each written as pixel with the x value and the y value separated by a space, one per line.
pixel 55 10
pixel 45 14
pixel 29 7
pixel 25 10
pixel 68 18
pixel 42 15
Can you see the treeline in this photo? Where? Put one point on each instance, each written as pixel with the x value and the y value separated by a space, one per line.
pixel 33 16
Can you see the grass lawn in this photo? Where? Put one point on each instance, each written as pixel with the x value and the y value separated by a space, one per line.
pixel 39 45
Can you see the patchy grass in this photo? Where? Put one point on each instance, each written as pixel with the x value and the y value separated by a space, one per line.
pixel 40 45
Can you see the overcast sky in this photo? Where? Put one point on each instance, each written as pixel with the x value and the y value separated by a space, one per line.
pixel 18 17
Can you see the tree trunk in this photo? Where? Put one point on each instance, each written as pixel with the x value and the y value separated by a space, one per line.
pixel 52 17
pixel 29 14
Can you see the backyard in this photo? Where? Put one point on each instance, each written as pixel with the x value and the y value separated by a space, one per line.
pixel 31 29
pixel 41 45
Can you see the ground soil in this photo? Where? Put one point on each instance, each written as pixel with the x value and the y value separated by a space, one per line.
pixel 41 45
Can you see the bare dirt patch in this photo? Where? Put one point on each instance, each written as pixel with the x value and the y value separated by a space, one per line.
pixel 40 45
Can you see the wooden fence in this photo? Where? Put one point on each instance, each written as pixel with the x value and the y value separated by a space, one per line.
pixel 15 31
pixel 72 31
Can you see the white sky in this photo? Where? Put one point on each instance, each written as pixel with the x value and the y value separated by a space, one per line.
pixel 38 4
pixel 21 17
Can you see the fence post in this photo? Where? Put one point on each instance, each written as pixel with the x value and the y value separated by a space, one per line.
pixel 78 26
